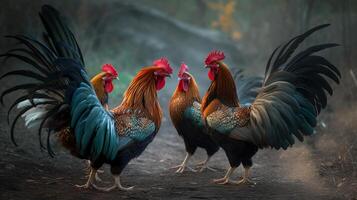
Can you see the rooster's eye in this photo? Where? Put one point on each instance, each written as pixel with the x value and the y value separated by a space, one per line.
pixel 213 65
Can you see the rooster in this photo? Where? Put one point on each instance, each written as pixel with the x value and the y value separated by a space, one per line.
pixel 103 83
pixel 64 97
pixel 185 105
pixel 292 95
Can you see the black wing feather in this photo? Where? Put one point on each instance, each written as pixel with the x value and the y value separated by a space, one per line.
pixel 293 93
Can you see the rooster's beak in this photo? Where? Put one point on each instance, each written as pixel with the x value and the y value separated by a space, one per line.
pixel 117 78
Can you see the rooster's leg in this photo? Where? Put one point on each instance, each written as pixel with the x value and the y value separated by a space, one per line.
pixel 203 165
pixel 226 178
pixel 97 178
pixel 182 166
pixel 90 181
pixel 246 178
pixel 117 184
pixel 89 167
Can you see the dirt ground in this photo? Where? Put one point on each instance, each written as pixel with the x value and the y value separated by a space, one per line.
pixel 28 173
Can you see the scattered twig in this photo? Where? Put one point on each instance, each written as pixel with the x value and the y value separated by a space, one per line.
pixel 353 77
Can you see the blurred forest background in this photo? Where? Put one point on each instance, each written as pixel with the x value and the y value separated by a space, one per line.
pixel 131 34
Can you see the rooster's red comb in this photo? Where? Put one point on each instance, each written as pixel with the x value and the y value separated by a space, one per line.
pixel 214 56
pixel 109 68
pixel 164 64
pixel 183 69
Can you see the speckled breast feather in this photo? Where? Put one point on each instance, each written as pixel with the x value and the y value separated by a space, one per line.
pixel 225 118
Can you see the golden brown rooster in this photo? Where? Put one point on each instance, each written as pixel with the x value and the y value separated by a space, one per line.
pixel 63 96
pixel 103 83
pixel 185 114
pixel 292 95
